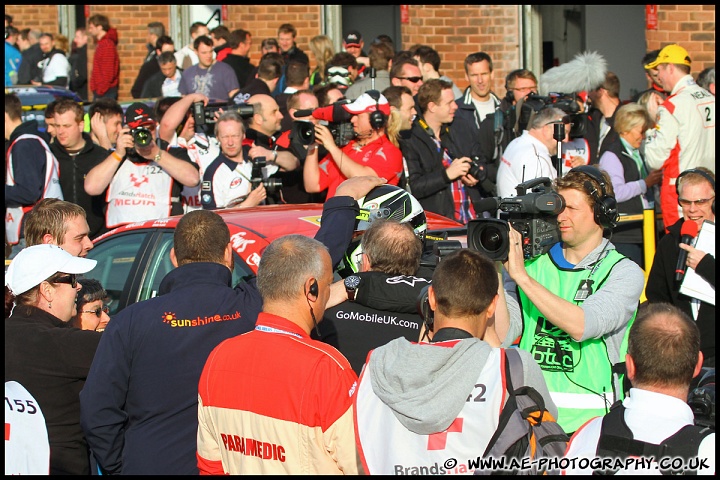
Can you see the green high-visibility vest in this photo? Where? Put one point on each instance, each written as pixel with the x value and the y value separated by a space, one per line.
pixel 578 374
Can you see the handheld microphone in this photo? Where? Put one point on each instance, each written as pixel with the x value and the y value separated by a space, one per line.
pixel 688 231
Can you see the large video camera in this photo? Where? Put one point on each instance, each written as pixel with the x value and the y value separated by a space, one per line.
pixel 272 185
pixel 702 398
pixel 336 118
pixel 567 103
pixel 533 214
pixel 205 114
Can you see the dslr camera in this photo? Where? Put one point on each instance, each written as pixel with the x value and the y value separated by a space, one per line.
pixel 141 136
pixel 272 185
pixel 533 214
pixel 205 114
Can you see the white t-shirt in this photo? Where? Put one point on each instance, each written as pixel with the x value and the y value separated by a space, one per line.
pixel 484 108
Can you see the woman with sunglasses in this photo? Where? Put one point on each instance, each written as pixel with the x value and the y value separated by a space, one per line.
pixel 43 352
pixel 92 313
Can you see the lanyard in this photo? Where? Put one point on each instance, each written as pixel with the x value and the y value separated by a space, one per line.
pixel 267 329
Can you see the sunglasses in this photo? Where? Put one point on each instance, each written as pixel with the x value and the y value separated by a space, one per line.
pixel 98 311
pixel 686 203
pixel 411 79
pixel 70 279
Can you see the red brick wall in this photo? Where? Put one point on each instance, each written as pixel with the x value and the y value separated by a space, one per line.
pixel 691 26
pixel 451 29
pixel 457 30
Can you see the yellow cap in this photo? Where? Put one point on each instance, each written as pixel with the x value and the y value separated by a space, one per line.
pixel 671 54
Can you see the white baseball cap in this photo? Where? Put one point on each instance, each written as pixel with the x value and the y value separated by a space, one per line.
pixel 369 102
pixel 35 264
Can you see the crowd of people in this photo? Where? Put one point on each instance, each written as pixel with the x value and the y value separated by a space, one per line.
pixel 371 372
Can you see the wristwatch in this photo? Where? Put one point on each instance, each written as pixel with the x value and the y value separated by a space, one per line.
pixel 351 284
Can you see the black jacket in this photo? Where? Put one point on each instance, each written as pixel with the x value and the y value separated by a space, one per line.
pixel 147 70
pixel 28 69
pixel 428 178
pixel 384 309
pixel 78 72
pixel 661 286
pixel 73 170
pixel 630 232
pixel 52 360
pixel 242 66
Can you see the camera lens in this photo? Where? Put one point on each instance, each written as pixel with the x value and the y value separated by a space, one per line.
pixel 490 239
pixel 142 137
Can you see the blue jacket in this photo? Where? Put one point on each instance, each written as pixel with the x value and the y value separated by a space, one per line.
pixel 139 404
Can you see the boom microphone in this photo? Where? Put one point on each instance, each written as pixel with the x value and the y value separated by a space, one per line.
pixel 585 72
pixel 688 231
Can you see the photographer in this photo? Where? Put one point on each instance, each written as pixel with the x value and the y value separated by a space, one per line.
pixel 228 179
pixel 263 130
pixel 440 182
pixel 655 416
pixel 145 180
pixel 576 300
pixel 177 127
pixel 370 153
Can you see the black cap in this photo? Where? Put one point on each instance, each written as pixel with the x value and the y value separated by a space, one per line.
pixel 353 37
pixel 138 114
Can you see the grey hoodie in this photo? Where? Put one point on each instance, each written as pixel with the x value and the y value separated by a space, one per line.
pixel 426 386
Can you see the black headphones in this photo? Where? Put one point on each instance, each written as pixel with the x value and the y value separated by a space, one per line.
pixel 377 118
pixel 605 208
pixel 314 289
pixel 509 95
pixel 702 174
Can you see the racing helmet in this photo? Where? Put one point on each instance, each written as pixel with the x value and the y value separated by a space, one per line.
pixel 388 202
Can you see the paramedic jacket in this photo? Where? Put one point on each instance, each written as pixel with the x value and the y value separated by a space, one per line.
pixel 139 405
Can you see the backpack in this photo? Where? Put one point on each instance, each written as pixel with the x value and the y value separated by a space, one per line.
pixel 526 431
pixel 620 443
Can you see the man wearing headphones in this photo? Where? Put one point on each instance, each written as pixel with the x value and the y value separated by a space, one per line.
pixel 576 301
pixel 370 153
pixel 696 196
pixel 498 129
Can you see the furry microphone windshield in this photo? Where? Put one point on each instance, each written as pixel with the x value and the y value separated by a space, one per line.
pixel 585 72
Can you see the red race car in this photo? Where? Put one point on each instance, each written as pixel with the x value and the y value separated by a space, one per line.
pixel 134 258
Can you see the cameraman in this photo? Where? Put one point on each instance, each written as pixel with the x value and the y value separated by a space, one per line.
pixel 370 153
pixel 575 301
pixel 228 179
pixel 656 411
pixel 145 180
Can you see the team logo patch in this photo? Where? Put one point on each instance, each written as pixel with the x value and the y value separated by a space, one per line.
pixel 235 183
pixel 206 186
pixel 206 198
